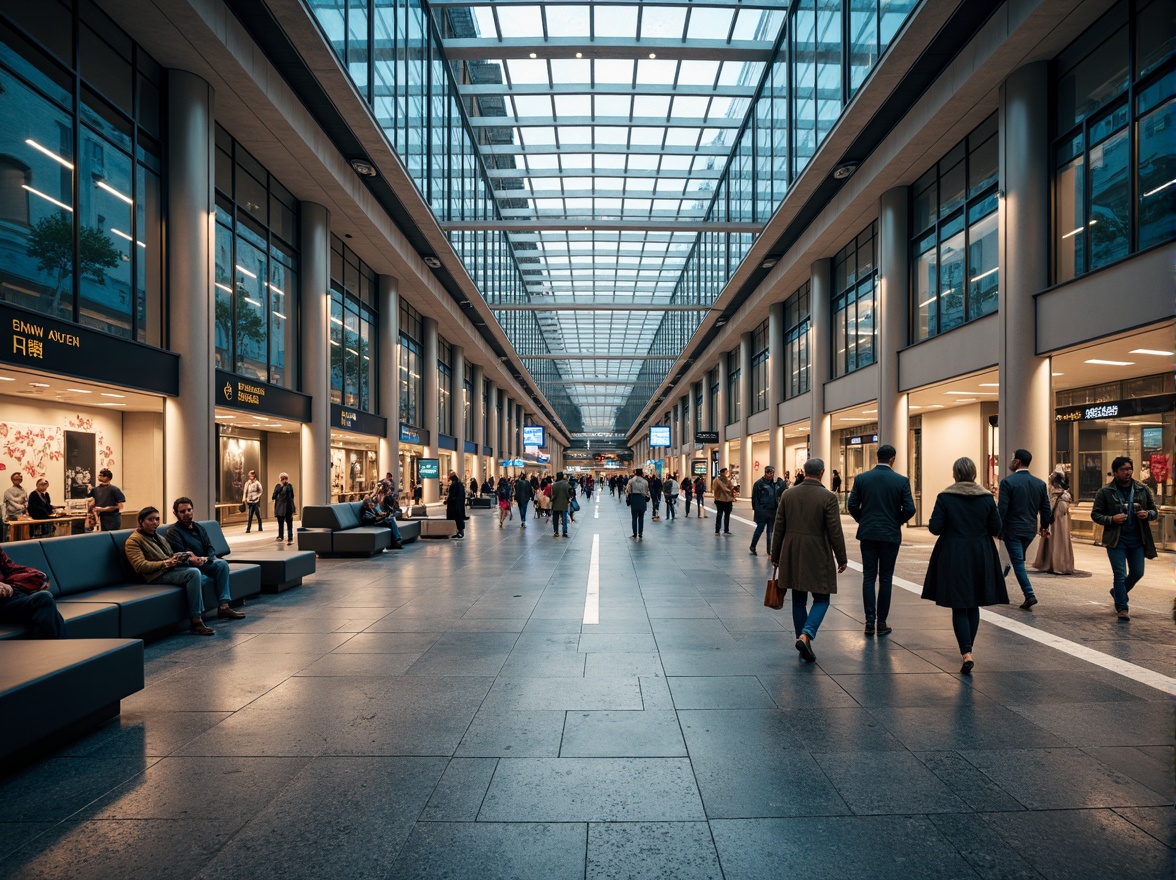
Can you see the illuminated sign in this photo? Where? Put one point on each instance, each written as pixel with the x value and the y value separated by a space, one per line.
pixel 698 468
pixel 659 435
pixel 534 435
pixel 429 468
pixel 706 436
pixel 1116 409
pixel 240 392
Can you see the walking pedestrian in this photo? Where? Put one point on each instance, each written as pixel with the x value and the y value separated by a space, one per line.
pixel 523 494
pixel 965 571
pixel 724 494
pixel 880 503
pixel 455 501
pixel 1023 501
pixel 670 487
pixel 637 497
pixel 561 497
pixel 251 495
pixel 765 498
pixel 283 499
pixel 806 538
pixel 688 493
pixel 1124 507
pixel 699 492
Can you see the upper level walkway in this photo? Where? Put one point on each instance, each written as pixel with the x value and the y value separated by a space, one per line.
pixel 518 706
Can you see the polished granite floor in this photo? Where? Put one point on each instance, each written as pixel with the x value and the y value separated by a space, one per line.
pixel 444 711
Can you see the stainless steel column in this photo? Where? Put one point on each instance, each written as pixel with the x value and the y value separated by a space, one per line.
pixel 745 456
pixel 776 384
pixel 477 415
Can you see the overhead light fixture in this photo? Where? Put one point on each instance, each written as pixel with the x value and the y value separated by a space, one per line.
pixel 1154 351
pixel 364 168
pixel 652 54
pixel 579 54
pixel 844 170
pixel 534 55
pixel 1101 362
pixel 768 263
pixel 432 262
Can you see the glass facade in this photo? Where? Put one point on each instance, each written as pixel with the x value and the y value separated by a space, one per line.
pixel 1114 178
pixel 354 330
pixel 855 294
pixel 411 359
pixel 444 387
pixel 255 284
pixel 955 264
pixel 797 342
pixel 759 368
pixel 734 387
pixel 81 228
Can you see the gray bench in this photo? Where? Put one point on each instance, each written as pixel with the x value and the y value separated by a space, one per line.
pixel 52 690
pixel 280 569
pixel 335 530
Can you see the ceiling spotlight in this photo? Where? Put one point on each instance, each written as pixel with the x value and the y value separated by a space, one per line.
pixel 844 170
pixel 768 263
pixel 719 322
pixel 364 168
pixel 432 262
pixel 579 54
pixel 534 55
pixel 652 54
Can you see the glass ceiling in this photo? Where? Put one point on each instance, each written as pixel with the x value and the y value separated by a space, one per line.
pixel 605 128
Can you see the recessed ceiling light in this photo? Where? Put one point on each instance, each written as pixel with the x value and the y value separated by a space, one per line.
pixel 6 379
pixel 39 384
pixel 534 55
pixel 110 394
pixel 79 390
pixel 989 384
pixel 364 168
pixel 579 54
pixel 1154 351
pixel 1057 374
pixel 1109 363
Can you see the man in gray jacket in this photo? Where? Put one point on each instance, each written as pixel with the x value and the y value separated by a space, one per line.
pixel 561 498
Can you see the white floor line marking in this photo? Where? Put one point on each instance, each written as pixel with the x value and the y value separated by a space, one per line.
pixel 596 511
pixel 1141 674
pixel 592 601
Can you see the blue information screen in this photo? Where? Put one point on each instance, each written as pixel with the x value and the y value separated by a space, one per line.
pixel 429 468
pixel 659 435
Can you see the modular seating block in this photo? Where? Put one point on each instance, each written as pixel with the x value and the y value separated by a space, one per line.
pixel 437 528
pixel 244 579
pixel 83 620
pixel 317 541
pixel 278 569
pixel 51 689
pixel 347 535
pixel 480 503
pixel 410 530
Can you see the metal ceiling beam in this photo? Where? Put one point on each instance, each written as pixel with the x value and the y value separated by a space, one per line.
pixel 589 356
pixel 618 173
pixel 598 307
pixel 579 235
pixel 602 194
pixel 696 4
pixel 570 224
pixel 618 121
pixel 660 89
pixel 723 150
pixel 610 48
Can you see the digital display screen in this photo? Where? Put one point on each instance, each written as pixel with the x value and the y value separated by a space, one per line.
pixel 534 435
pixel 659 435
pixel 428 468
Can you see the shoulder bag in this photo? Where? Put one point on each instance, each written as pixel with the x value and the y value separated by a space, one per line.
pixel 773 595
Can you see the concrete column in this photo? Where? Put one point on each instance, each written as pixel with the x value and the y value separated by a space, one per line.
pixel 1026 410
pixel 776 384
pixel 724 412
pixel 893 311
pixel 429 390
pixel 492 440
pixel 314 282
pixel 708 418
pixel 745 457
pixel 389 379
pixel 477 384
pixel 821 425
pixel 190 448
pixel 686 441
pixel 457 406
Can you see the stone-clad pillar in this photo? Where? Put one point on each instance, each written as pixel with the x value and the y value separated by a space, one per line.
pixel 389 336
pixel 457 410
pixel 776 384
pixel 429 378
pixel 821 425
pixel 477 414
pixel 745 456
pixel 893 310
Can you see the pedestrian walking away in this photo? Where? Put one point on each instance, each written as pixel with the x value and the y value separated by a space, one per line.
pixel 637 497
pixel 671 490
pixel 1024 501
pixel 455 504
pixel 561 499
pixel 523 494
pixel 699 492
pixel 724 494
pixel 880 503
pixel 806 539
pixel 284 509
pixel 1124 507
pixel 688 493
pixel 965 570
pixel 765 498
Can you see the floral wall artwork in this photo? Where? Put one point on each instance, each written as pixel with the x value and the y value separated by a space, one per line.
pixel 40 450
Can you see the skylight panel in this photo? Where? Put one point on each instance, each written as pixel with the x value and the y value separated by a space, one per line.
pixel 689 106
pixel 698 73
pixel 532 105
pixel 573 105
pixel 676 163
pixel 570 71
pixel 610 161
pixel 520 21
pixel 484 21
pixel 656 72
pixel 747 25
pixel 575 134
pixel 567 21
pixel 741 73
pixel 537 135
pixel 613 105
pixel 720 107
pixel 610 70
pixel 577 160
pixel 637 206
pixel 648 136
pixel 709 24
pixel 526 72
pixel 639 184
pixel 616 21
pixel 666 22
pixel 542 162
pixel 682 137
pixel 651 105
pixel 611 134
pixel 643 163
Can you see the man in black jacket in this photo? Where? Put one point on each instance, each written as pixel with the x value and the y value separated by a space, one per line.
pixel 188 536
pixel 1023 500
pixel 1124 507
pixel 880 503
pixel 765 497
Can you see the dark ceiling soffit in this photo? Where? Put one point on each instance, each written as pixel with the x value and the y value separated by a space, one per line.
pixel 255 16
pixel 956 33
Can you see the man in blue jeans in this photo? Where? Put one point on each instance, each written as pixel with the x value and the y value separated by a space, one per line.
pixel 188 536
pixel 1024 500
pixel 1123 508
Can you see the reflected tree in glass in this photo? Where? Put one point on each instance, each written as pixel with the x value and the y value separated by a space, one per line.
pixel 51 245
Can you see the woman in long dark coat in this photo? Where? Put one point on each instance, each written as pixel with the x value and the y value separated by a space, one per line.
pixel 455 501
pixel 965 572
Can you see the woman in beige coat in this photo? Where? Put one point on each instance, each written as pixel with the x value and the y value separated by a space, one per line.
pixel 805 539
pixel 1055 552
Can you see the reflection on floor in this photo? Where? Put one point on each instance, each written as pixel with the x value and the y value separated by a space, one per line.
pixel 443 711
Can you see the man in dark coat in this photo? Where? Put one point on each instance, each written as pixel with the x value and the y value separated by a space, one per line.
pixel 455 501
pixel 561 499
pixel 1124 507
pixel 807 539
pixel 523 494
pixel 880 503
pixel 765 497
pixel 1023 500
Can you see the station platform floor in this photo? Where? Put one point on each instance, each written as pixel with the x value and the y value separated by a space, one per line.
pixel 515 706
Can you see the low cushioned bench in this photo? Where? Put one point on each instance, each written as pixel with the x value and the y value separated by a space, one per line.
pixel 51 690
pixel 98 594
pixel 436 528
pixel 280 569
pixel 483 502
pixel 335 530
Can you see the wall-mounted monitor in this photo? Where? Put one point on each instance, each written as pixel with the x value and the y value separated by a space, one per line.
pixel 659 435
pixel 534 435
pixel 429 468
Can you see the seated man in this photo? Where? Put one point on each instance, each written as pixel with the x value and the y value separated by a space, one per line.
pixel 371 515
pixel 25 600
pixel 188 536
pixel 153 559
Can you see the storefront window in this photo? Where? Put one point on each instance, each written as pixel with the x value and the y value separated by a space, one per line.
pixel 256 281
pixel 954 223
pixel 1114 189
pixel 93 256
pixel 854 293
pixel 444 387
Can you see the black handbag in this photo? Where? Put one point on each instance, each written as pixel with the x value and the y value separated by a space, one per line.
pixel 241 507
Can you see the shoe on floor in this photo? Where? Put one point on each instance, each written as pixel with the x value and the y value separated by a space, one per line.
pixel 634 537
pixel 884 628
pixel 806 651
pixel 869 629
pixel 1029 602
pixel 200 628
pixel 1123 615
pixel 226 613
pixel 753 553
pixel 397 545
pixel 291 541
pixel 966 669
pixel 726 534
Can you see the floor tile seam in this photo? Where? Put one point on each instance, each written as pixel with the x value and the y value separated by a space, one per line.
pixel 1023 807
pixel 1168 843
pixel 1020 710
pixel 1164 794
pixel 1129 670
pixel 963 855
